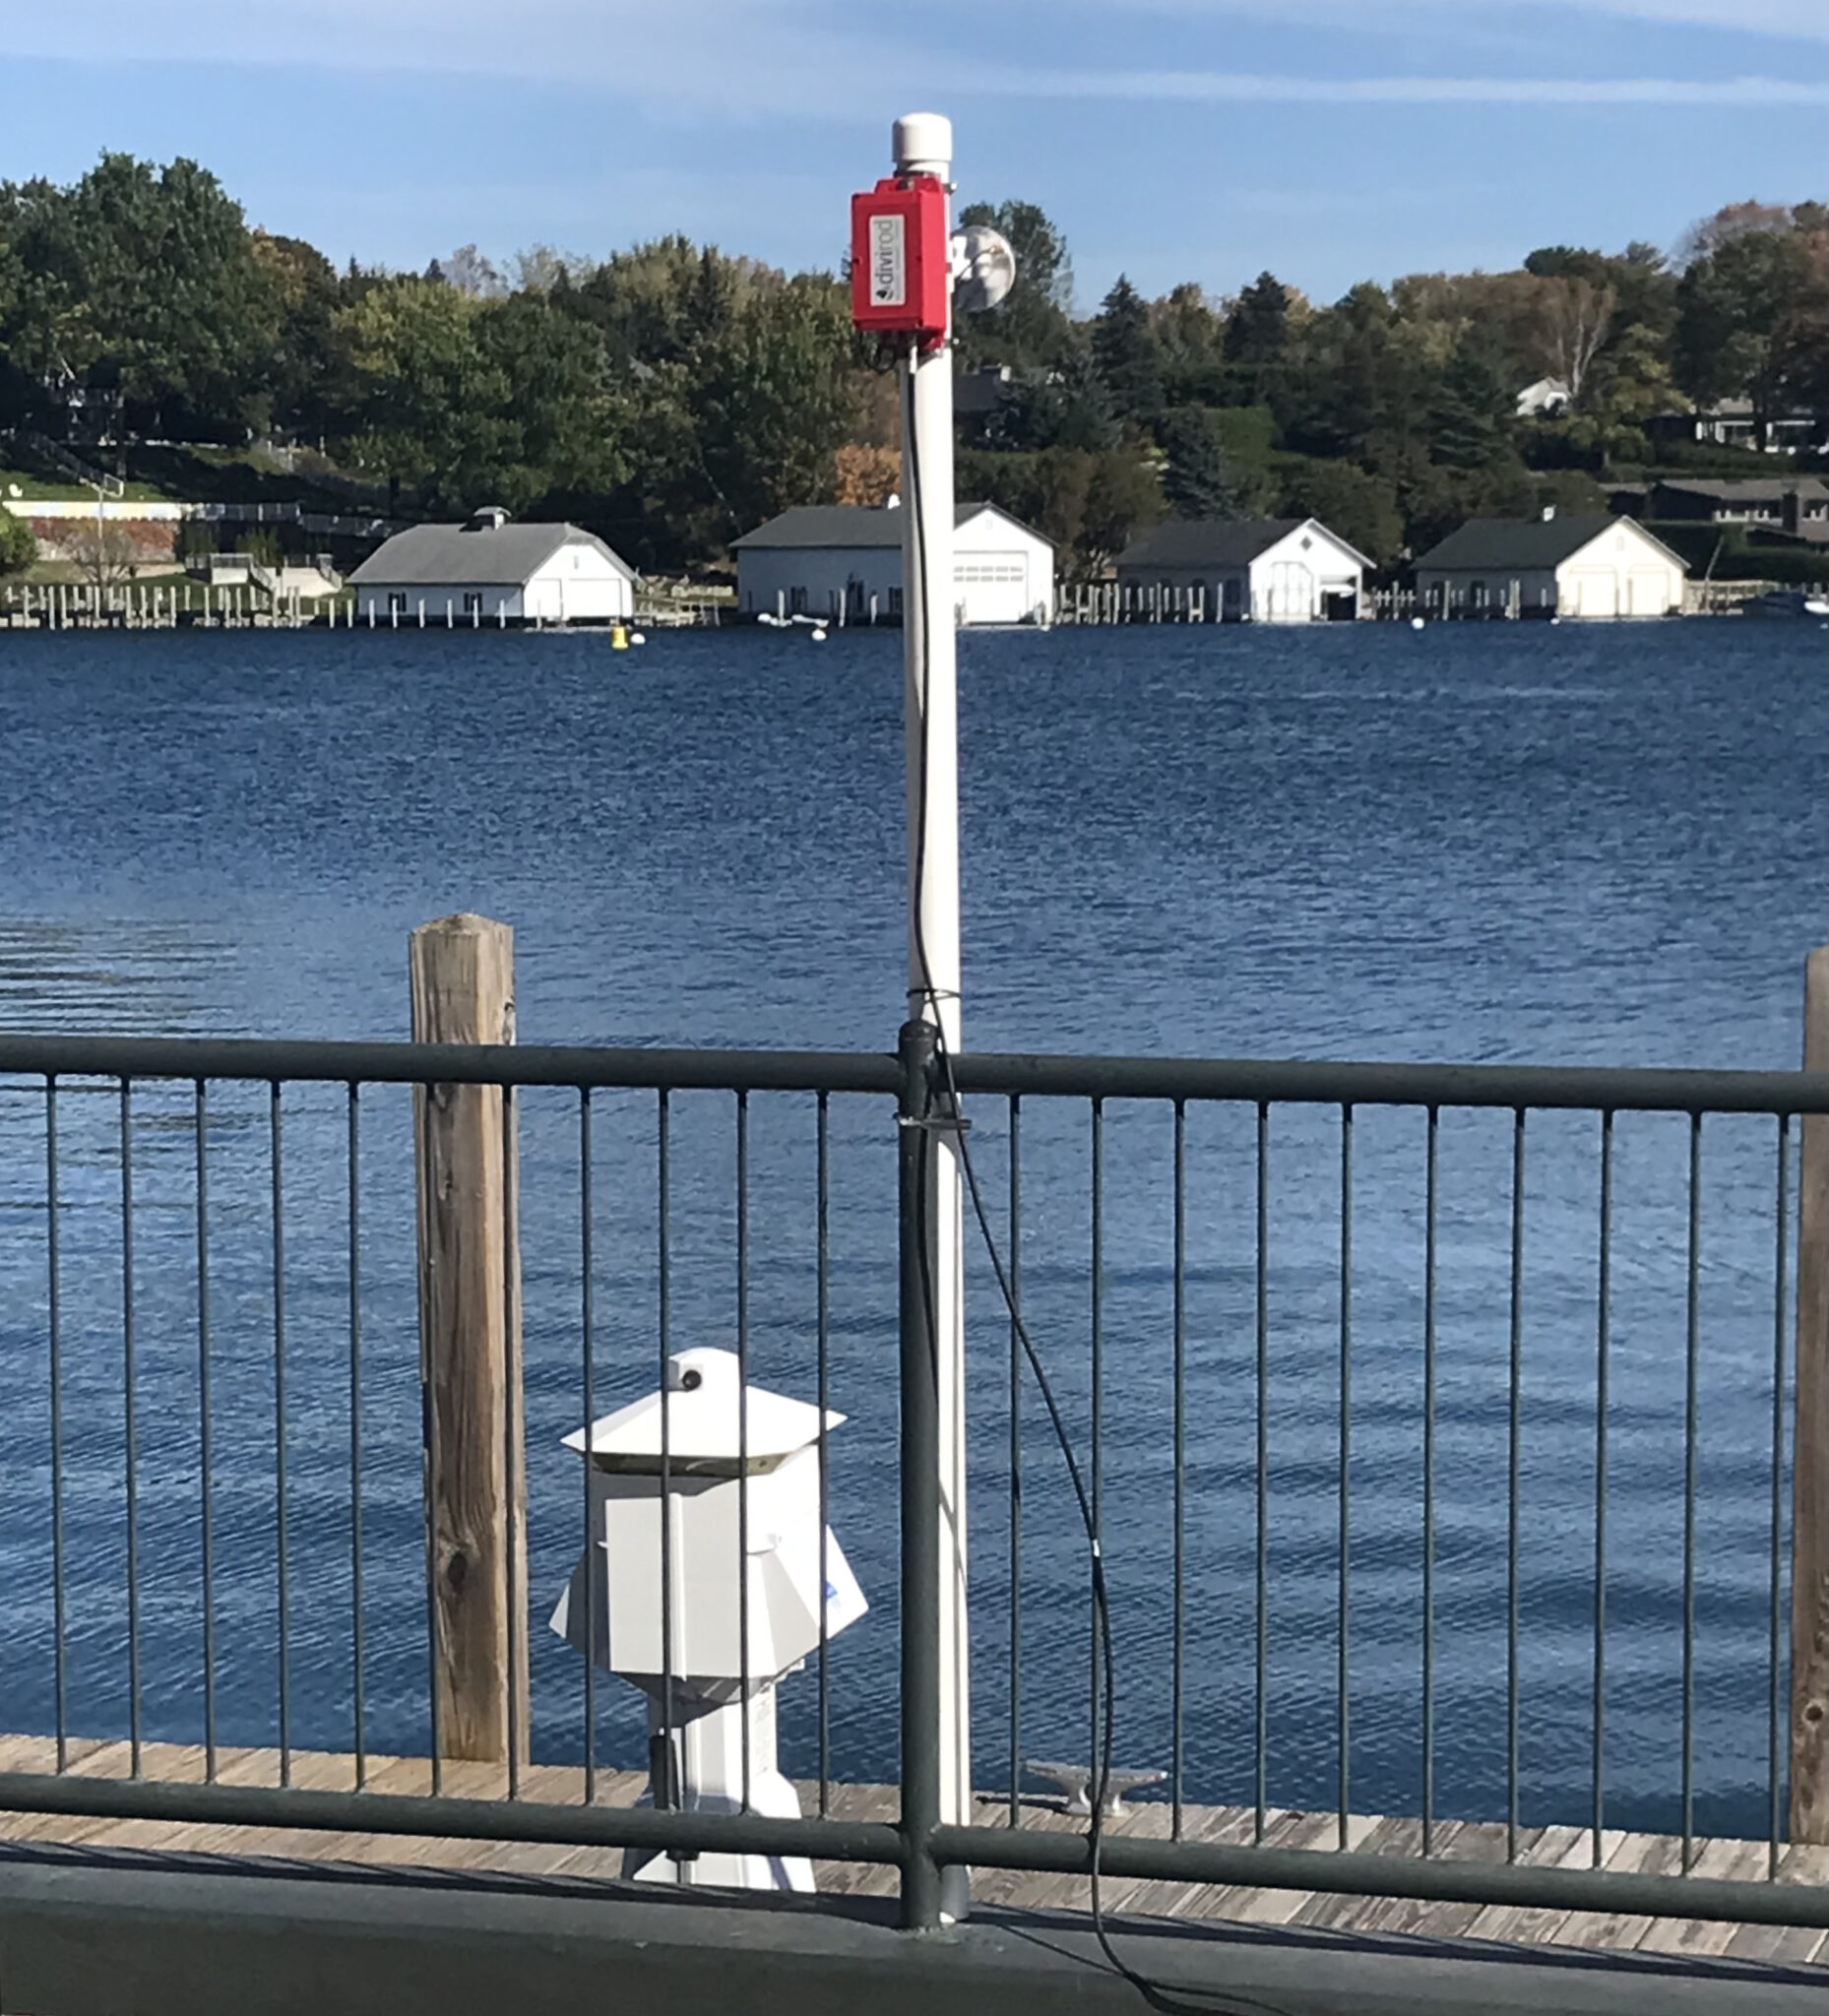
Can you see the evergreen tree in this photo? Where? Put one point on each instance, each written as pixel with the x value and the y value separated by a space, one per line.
pixel 1467 412
pixel 1127 355
pixel 1257 331
pixel 1197 481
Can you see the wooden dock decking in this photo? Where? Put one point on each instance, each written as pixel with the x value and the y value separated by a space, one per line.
pixel 1559 1846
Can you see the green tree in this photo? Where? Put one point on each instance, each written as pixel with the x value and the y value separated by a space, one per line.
pixel 772 400
pixel 1468 413
pixel 464 401
pixel 19 550
pixel 1753 321
pixel 1126 356
pixel 139 302
pixel 1257 331
pixel 1031 327
pixel 1363 509
pixel 1068 408
pixel 300 372
pixel 1123 497
pixel 1197 479
pixel 1191 335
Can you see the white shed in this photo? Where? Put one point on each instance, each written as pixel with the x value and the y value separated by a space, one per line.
pixel 490 571
pixel 1583 565
pixel 1265 570
pixel 844 562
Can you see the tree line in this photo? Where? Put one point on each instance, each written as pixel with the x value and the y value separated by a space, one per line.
pixel 673 396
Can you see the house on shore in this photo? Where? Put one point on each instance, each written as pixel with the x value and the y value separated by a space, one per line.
pixel 1733 423
pixel 489 570
pixel 1587 565
pixel 1797 507
pixel 1263 570
pixel 844 562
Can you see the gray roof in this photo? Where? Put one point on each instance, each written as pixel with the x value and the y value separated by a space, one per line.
pixel 850 525
pixel 1747 489
pixel 1526 542
pixel 1216 542
pixel 504 555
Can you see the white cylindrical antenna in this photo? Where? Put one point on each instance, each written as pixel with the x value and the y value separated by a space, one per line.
pixel 922 144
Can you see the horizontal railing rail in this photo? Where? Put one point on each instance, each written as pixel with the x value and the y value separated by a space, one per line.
pixel 1040 1074
pixel 1214 1296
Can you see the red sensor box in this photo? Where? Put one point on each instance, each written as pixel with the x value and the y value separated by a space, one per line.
pixel 900 278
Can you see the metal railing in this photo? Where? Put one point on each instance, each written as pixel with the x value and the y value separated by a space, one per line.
pixel 1309 1316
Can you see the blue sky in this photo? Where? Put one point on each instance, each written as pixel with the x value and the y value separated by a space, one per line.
pixel 1202 140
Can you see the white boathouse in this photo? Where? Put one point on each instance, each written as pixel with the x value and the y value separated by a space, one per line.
pixel 489 570
pixel 1583 565
pixel 844 562
pixel 1264 570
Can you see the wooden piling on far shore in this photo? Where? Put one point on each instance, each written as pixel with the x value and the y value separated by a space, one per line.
pixel 470 1341
pixel 1809 1470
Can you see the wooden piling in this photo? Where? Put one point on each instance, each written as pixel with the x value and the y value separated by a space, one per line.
pixel 1809 1469
pixel 470 1347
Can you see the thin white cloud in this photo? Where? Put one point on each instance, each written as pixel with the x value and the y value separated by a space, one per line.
pixel 796 62
pixel 1804 21
pixel 1219 87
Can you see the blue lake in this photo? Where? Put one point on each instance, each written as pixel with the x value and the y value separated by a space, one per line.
pixel 1510 843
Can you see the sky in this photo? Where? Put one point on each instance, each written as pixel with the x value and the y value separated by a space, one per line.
pixel 1327 140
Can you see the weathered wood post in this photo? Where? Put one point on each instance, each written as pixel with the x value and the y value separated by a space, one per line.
pixel 1809 1467
pixel 470 1347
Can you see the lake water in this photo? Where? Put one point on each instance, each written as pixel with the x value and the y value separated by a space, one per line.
pixel 1508 842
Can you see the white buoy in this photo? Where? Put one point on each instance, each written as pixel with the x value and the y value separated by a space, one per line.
pixel 1416 623
pixel 635 637
pixel 819 637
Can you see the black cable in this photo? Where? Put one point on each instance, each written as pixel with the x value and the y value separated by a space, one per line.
pixel 1172 2001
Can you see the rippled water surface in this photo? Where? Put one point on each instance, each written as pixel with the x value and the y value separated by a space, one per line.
pixel 1523 844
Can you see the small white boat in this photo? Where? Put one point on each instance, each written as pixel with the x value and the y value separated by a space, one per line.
pixel 1786 602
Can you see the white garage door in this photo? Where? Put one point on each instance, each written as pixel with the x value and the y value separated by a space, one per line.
pixel 992 588
pixel 1649 596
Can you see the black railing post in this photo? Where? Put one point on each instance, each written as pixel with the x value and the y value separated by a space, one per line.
pixel 920 1490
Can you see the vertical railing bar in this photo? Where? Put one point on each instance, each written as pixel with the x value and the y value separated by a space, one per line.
pixel 586 1328
pixel 1096 1401
pixel 1692 1335
pixel 1261 1632
pixel 1514 1445
pixel 1781 1266
pixel 131 1463
pixel 822 1328
pixel 429 1439
pixel 1344 1625
pixel 1177 1650
pixel 823 1331
pixel 1015 1270
pixel 53 1260
pixel 1603 1338
pixel 358 1660
pixel 513 1606
pixel 1430 1208
pixel 742 1427
pixel 205 1454
pixel 663 1779
pixel 282 1562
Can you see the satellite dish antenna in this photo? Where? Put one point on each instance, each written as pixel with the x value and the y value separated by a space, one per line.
pixel 983 269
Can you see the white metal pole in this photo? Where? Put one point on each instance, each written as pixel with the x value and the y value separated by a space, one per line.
pixel 923 146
